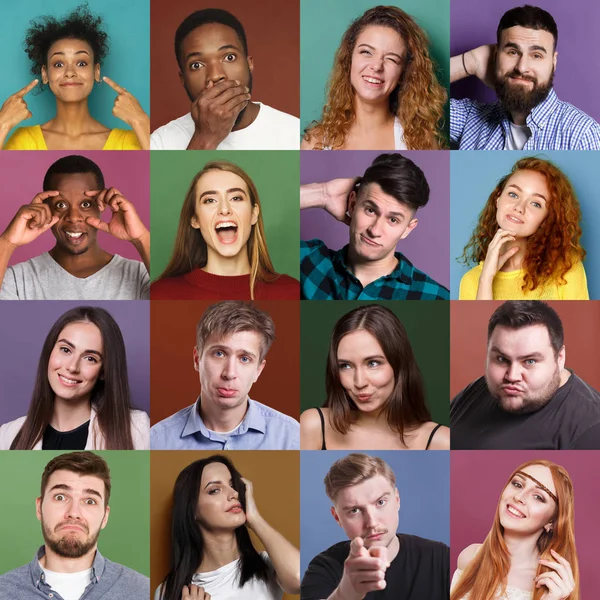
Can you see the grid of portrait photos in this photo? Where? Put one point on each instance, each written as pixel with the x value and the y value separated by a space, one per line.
pixel 299 299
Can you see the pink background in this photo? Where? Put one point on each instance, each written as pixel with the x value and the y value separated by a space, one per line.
pixel 478 478
pixel 22 176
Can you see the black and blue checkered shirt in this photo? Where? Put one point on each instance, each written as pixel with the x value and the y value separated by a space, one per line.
pixel 324 275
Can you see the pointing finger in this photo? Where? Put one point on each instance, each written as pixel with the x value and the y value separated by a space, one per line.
pixel 357 547
pixel 27 88
pixel 380 552
pixel 114 86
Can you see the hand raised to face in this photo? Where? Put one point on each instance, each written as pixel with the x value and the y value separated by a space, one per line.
pixel 15 110
pixel 127 108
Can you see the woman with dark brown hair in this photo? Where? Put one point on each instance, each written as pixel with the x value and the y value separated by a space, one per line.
pixel 220 250
pixel 383 91
pixel 375 392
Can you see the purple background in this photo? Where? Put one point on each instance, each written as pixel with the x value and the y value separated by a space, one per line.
pixel 24 327
pixel 427 247
pixel 473 23
pixel 23 175
pixel 477 479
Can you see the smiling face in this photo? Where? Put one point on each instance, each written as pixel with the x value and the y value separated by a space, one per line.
pixel 525 65
pixel 525 507
pixel 72 513
pixel 522 372
pixel 379 222
pixel 377 62
pixel 218 505
pixel 364 371
pixel 70 70
pixel 368 510
pixel 523 204
pixel 75 362
pixel 224 213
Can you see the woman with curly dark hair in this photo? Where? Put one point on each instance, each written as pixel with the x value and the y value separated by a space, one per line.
pixel 526 243
pixel 66 55
pixel 383 91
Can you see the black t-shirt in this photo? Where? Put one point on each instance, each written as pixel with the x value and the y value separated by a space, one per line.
pixel 570 420
pixel 75 439
pixel 420 571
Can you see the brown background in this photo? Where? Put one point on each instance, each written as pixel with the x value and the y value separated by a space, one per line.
pixel 174 383
pixel 273 34
pixel 275 476
pixel 468 339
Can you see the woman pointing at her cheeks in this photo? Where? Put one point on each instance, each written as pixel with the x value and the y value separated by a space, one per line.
pixel 66 56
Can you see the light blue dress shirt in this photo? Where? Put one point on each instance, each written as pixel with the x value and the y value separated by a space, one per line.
pixel 262 428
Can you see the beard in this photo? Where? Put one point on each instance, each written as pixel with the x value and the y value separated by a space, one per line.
pixel 69 546
pixel 515 98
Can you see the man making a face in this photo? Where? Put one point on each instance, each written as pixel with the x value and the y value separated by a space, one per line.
pixel 232 341
pixel 366 504
pixel 380 209
pixel 73 509
pixel 527 399
pixel 77 268
pixel 216 72
pixel 528 114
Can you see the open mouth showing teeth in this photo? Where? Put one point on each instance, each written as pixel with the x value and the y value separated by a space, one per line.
pixel 373 80
pixel 68 381
pixel 74 235
pixel 226 231
pixel 515 513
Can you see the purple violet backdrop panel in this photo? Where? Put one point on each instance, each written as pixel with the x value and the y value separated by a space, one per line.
pixel 427 246
pixel 24 327
pixel 474 23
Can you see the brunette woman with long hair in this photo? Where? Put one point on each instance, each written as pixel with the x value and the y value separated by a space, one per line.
pixel 383 92
pixel 375 392
pixel 220 250
pixel 527 242
pixel 529 554
pixel 211 548
pixel 81 396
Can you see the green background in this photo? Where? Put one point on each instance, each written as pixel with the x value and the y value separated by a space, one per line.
pixel 276 176
pixel 126 537
pixel 428 327
pixel 322 25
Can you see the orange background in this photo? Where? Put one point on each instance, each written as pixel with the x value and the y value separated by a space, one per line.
pixel 273 33
pixel 468 339
pixel 275 476
pixel 174 383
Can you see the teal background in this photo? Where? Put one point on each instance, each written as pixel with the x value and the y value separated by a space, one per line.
pixel 276 176
pixel 322 25
pixel 126 537
pixel 427 325
pixel 127 63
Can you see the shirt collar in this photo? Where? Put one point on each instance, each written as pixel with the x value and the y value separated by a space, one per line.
pixel 37 573
pixel 399 272
pixel 540 114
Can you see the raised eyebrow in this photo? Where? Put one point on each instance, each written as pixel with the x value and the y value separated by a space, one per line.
pixel 78 52
pixel 71 345
pixel 68 488
pixel 220 49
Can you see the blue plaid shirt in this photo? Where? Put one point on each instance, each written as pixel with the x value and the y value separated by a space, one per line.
pixel 554 125
pixel 324 275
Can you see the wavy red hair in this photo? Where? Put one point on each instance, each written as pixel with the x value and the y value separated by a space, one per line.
pixel 488 570
pixel 418 99
pixel 554 248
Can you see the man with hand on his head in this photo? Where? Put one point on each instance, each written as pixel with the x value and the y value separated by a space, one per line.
pixel 77 268
pixel 396 566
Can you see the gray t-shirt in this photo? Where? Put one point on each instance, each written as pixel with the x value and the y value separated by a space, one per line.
pixel 42 278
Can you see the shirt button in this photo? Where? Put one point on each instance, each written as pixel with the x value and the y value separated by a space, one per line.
pixel 50 595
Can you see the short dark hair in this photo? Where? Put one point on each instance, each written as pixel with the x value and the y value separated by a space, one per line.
pixel 82 463
pixel 516 314
pixel 398 177
pixel 530 17
pixel 73 164
pixel 205 17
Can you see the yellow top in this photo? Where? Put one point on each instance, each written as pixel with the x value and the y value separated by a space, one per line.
pixel 32 138
pixel 507 286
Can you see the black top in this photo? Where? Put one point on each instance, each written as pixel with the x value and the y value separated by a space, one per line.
pixel 76 439
pixel 420 571
pixel 570 420
pixel 324 447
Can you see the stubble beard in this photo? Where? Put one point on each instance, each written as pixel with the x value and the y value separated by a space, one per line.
pixel 515 98
pixel 68 546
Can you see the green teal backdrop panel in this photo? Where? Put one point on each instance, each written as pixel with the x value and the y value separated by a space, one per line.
pixel 276 176
pixel 427 324
pixel 322 25
pixel 128 61
pixel 126 537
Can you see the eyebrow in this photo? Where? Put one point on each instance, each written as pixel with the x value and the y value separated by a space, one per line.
pixel 349 506
pixel 229 191
pixel 530 48
pixel 374 357
pixel 228 349
pixel 78 52
pixel 68 488
pixel 538 486
pixel 217 482
pixel 522 357
pixel 392 213
pixel 220 49
pixel 534 194
pixel 386 54
pixel 68 343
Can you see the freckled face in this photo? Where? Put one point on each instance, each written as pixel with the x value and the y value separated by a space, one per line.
pixel 364 371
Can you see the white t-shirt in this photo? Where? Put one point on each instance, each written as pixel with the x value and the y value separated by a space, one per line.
pixel 399 143
pixel 271 130
pixel 69 585
pixel 517 138
pixel 222 584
